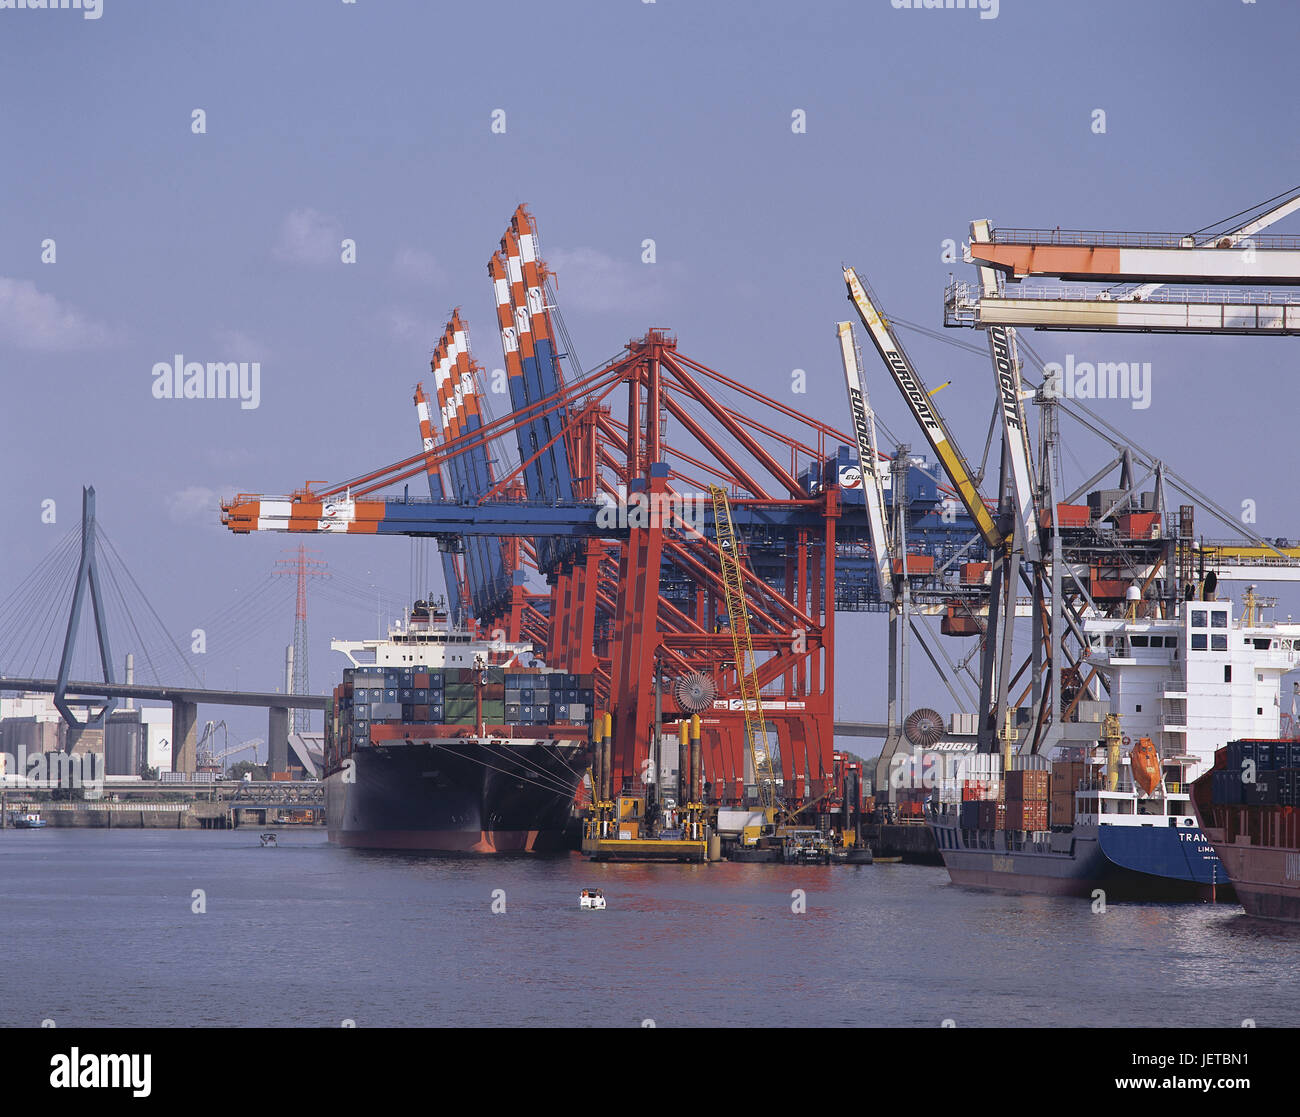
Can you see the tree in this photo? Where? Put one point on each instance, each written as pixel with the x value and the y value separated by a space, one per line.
pixel 236 771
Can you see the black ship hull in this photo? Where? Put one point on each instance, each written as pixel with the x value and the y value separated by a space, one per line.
pixel 456 795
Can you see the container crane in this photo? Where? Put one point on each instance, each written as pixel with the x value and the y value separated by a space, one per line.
pixel 926 415
pixel 1013 535
pixel 1011 395
pixel 1232 258
pixel 1130 257
pixel 864 430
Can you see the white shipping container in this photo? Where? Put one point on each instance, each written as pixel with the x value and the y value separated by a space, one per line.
pixel 980 766
pixel 734 821
pixel 965 725
pixel 1030 763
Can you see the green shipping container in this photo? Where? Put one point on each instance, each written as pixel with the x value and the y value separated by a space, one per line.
pixel 460 712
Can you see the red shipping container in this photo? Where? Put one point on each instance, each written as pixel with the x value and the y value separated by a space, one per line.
pixel 422 680
pixel 916 564
pixel 1027 785
pixel 1110 589
pixel 1026 816
pixel 974 573
pixel 1139 525
pixel 421 713
pixel 1067 515
pixel 958 621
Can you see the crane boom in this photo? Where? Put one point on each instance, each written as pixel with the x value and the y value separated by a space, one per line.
pixel 253 744
pixel 1015 431
pixel 751 701
pixel 926 414
pixel 864 430
pixel 1228 240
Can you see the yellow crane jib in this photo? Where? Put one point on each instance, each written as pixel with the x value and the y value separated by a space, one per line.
pixel 923 409
pixel 751 702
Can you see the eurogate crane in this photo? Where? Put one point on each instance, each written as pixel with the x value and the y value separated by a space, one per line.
pixel 1227 278
pixel 1005 543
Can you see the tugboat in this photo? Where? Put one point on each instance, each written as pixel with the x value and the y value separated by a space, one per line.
pixel 29 821
pixel 807 847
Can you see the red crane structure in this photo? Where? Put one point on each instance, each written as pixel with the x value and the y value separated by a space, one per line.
pixel 609 504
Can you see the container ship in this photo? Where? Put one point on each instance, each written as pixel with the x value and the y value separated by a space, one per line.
pixel 1112 809
pixel 440 740
pixel 1247 805
pixel 1130 833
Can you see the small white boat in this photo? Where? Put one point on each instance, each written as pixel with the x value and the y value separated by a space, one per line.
pixel 592 899
pixel 268 840
pixel 30 821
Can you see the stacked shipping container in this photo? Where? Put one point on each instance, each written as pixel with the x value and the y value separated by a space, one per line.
pixel 1067 776
pixel 460 696
pixel 1275 766
pixel 981 806
pixel 1027 794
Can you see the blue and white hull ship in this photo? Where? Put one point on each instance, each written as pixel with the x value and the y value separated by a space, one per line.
pixel 1119 816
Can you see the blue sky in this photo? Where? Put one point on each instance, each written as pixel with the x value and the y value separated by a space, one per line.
pixel 624 121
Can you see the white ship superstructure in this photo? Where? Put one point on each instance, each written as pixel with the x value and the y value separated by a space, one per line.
pixel 1195 681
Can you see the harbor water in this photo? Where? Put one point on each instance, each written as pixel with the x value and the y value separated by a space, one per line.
pixel 193 928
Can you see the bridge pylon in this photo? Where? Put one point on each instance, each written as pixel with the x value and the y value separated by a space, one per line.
pixel 87 579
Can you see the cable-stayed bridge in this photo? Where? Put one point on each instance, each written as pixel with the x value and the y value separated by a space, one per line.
pixel 64 624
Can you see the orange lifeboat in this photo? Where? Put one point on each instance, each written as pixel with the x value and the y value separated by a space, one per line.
pixel 1146 765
